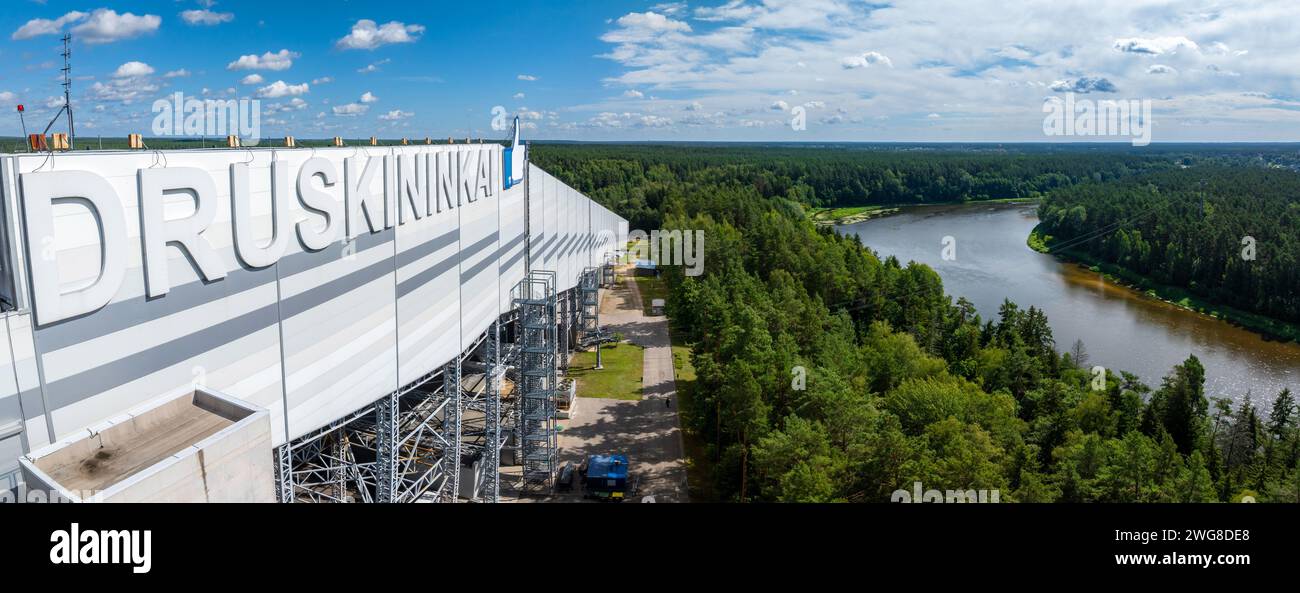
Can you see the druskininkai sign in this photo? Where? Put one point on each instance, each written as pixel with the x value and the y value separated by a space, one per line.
pixel 415 186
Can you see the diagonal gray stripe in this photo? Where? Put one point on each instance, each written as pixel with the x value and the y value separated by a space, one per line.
pixel 514 260
pixel 129 313
pixel 427 248
pixel 70 390
pixel 419 280
pixel 319 295
pixel 545 251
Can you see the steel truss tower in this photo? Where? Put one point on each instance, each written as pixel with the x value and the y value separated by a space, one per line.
pixel 492 443
pixel 538 438
pixel 589 329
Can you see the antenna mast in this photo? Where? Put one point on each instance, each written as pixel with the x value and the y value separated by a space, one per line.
pixel 67 88
pixel 67 93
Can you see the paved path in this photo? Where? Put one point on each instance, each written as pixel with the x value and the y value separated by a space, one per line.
pixel 647 431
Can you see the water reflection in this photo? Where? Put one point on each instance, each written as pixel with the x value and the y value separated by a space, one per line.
pixel 1122 329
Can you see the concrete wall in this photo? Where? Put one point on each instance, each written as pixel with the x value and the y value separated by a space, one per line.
pixel 230 466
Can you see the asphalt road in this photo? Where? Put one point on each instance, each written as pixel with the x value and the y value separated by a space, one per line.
pixel 647 431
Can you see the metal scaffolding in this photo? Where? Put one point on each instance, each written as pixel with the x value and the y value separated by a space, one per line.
pixel 491 487
pixel 609 271
pixel 451 428
pixel 413 445
pixel 589 289
pixel 565 310
pixel 538 438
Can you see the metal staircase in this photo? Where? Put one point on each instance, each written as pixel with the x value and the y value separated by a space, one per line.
pixel 536 299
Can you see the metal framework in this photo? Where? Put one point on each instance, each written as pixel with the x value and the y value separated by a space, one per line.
pixel 609 271
pixel 492 376
pixel 589 328
pixel 565 312
pixel 412 444
pixel 451 428
pixel 538 439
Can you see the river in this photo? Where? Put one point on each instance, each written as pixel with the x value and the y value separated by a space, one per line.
pixel 1121 328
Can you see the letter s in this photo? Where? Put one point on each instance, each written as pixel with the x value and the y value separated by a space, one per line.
pixel 320 202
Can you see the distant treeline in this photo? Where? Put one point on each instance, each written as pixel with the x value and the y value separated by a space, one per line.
pixel 863 175
pixel 1228 234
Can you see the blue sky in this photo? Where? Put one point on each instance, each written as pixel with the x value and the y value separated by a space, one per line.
pixel 910 70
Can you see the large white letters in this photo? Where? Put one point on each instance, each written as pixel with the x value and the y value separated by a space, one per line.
pixel 362 200
pixel 177 206
pixel 158 233
pixel 320 202
pixel 412 198
pixel 241 208
pixel 40 192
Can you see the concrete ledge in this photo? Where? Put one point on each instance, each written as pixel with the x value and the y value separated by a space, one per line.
pixel 200 447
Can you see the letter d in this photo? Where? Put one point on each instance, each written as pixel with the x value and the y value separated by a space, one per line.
pixel 40 192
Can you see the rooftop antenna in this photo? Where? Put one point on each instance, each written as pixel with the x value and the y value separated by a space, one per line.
pixel 67 94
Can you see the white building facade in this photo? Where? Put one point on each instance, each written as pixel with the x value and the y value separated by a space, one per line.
pixel 308 282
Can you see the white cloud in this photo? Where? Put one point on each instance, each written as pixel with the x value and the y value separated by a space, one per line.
pixel 651 23
pixel 1221 48
pixel 655 121
pixel 1084 85
pixel 281 60
pixel 780 106
pixel 986 74
pixel 669 8
pixel 865 60
pixel 1154 45
pixel 133 70
pixel 366 34
pixel 106 26
pixel 350 110
pixel 7 96
pixel 252 79
pixel 322 80
pixel 124 90
pixel 518 96
pixel 633 94
pixel 280 89
pixel 396 115
pixel 294 104
pixel 369 97
pixel 206 17
pixel 527 77
pixel 625 120
pixel 372 68
pixel 38 27
pixel 182 73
